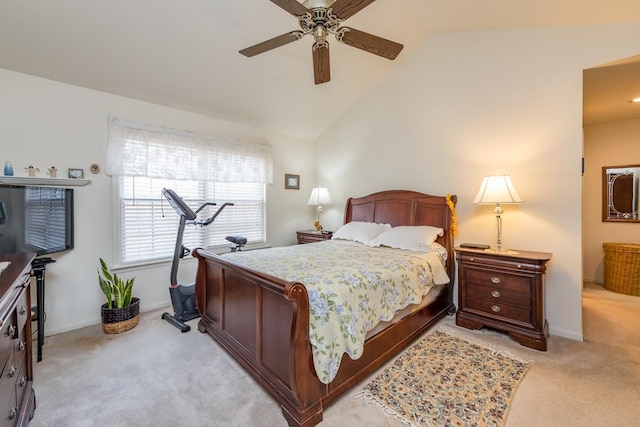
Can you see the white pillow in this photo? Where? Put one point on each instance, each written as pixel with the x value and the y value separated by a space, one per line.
pixel 360 231
pixel 413 238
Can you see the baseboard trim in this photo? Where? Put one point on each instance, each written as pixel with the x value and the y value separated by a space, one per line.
pixel 98 320
pixel 566 334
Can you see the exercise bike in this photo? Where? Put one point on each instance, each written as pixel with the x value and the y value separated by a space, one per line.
pixel 183 298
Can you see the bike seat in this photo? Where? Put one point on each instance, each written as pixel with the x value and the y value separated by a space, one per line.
pixel 238 240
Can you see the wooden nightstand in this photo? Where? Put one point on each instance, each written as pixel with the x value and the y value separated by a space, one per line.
pixel 504 292
pixel 312 236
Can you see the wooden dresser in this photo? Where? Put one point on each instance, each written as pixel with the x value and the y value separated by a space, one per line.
pixel 312 236
pixel 17 397
pixel 504 292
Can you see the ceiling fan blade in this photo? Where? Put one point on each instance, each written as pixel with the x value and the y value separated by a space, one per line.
pixel 321 71
pixel 344 9
pixel 272 43
pixel 291 6
pixel 369 42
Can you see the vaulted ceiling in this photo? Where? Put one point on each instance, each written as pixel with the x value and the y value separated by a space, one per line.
pixel 184 54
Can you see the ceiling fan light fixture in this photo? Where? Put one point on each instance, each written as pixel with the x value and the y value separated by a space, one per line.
pixel 312 4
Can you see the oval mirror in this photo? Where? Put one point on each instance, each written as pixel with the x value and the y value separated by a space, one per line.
pixel 620 193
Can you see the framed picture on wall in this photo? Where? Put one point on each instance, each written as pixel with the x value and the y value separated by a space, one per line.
pixel 291 182
pixel 76 173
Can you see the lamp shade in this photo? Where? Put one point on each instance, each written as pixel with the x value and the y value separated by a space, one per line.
pixel 319 196
pixel 497 189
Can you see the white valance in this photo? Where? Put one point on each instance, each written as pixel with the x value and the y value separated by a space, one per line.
pixel 135 149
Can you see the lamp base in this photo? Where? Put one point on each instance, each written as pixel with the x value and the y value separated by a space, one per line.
pixel 502 251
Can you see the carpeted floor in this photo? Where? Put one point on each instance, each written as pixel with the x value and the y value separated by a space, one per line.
pixel 154 375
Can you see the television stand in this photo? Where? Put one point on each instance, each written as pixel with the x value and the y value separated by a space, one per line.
pixel 38 269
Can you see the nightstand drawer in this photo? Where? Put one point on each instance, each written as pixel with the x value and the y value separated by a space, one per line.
pixel 489 260
pixel 312 236
pixel 499 280
pixel 504 311
pixel 498 295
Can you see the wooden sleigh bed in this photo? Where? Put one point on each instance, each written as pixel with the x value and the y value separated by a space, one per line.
pixel 263 321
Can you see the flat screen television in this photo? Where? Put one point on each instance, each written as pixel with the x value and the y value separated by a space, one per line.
pixel 35 219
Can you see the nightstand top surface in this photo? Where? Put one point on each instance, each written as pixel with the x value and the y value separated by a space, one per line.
pixel 540 256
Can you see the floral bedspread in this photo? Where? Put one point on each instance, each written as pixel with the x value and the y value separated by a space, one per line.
pixel 351 288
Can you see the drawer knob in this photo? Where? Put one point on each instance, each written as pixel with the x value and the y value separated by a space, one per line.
pixel 11 331
pixel 495 294
pixel 12 371
pixel 23 381
pixel 495 280
pixel 23 310
pixel 495 308
pixel 13 413
pixel 22 346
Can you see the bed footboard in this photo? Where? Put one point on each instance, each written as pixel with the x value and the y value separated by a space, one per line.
pixel 263 322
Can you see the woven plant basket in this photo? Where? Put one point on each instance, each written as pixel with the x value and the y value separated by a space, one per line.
pixel 118 320
pixel 622 268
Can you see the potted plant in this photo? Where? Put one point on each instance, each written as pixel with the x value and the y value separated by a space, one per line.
pixel 121 312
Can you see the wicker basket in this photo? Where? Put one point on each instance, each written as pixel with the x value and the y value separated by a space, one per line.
pixel 118 320
pixel 622 268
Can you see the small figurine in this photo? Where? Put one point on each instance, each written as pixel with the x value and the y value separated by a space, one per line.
pixel 32 170
pixel 53 171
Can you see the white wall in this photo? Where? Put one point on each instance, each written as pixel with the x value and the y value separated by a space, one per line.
pixel 472 104
pixel 47 123
pixel 609 144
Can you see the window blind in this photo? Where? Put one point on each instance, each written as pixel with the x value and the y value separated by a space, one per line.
pixel 149 224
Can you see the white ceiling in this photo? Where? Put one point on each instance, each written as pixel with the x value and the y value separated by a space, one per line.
pixel 184 54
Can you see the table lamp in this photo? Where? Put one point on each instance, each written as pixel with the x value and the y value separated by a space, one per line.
pixel 319 196
pixel 498 189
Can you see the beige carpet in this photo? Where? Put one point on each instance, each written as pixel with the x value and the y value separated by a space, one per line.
pixel 155 376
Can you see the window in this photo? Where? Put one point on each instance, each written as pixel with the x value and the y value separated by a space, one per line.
pixel 149 224
pixel 200 169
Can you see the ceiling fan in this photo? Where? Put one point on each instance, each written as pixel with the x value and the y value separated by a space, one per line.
pixel 321 18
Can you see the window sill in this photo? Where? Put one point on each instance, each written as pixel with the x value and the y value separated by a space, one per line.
pixel 218 250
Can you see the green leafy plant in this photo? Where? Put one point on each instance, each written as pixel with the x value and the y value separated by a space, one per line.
pixel 117 291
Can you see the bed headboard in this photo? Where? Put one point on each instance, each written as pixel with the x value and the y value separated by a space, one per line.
pixel 402 207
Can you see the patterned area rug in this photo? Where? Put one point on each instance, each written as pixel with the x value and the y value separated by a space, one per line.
pixel 447 381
